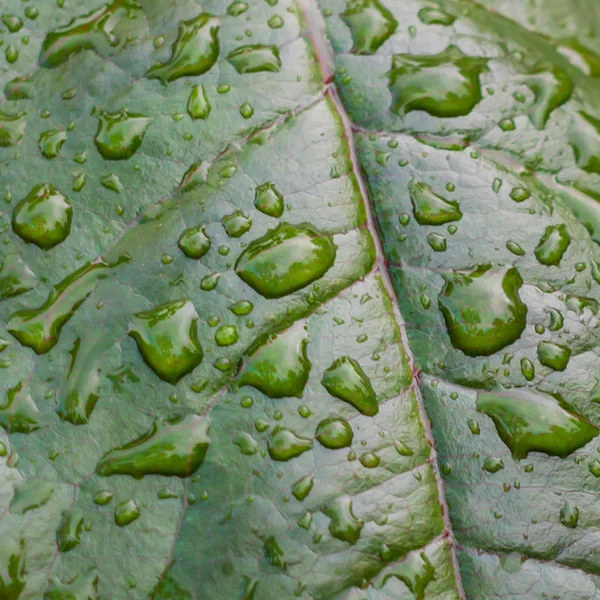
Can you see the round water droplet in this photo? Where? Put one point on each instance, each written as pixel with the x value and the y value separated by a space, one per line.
pixel 194 242
pixel 268 200
pixel 226 335
pixel 334 433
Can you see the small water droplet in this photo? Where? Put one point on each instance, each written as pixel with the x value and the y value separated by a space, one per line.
pixel 275 22
pixel 569 515
pixel 431 209
pixel 246 110
pixel 236 224
pixel 369 460
pixel 198 106
pixel 51 142
pixel 226 335
pixel 241 308
pixel 112 182
pixel 431 15
pixel 527 369
pixel 12 54
pixel 493 464
pixel 302 488
pixel 103 497
pixel 334 433
pixel 553 245
pixel 255 58
pixel 126 512
pixel 519 194
pixel 436 242
pixel 120 134
pixel 194 242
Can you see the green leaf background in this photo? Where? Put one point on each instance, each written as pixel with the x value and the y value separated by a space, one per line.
pixel 299 299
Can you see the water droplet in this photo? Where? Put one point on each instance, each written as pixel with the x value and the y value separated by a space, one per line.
pixel 209 282
pixel 39 328
pixel 529 421
pixel 32 494
pixel 12 22
pixel 444 85
pixel 102 498
pixel 515 248
pixel 12 128
pixel 415 571
pixel 285 259
pixel 255 58
pixel 198 106
pixel 583 137
pixel 167 339
pixel 194 52
pixel 12 54
pixel 334 433
pixel 126 512
pixel 369 460
pixel 285 444
pixel 346 380
pixel 278 366
pixel 112 183
pixel 19 88
pixel 437 242
pixel 223 88
pixel 553 356
pixel 275 22
pixel 51 142
pixel 173 448
pixel 474 427
pixel 92 31
pixel 19 414
pixel 274 553
pixel 551 87
pixel 482 310
pixel 431 15
pixel 553 245
pixel 241 308
pixel 569 515
pixel 68 535
pixel 82 587
pixel 226 335
pixel 43 217
pixel 431 209
pixel 344 525
pixel 519 194
pixel 79 182
pixel 246 443
pixel 527 369
pixel 236 224
pixel 120 134
pixel 594 467
pixel 493 464
pixel 194 242
pixel 16 277
pixel 306 521
pixel 371 24
pixel 302 488
pixel 268 200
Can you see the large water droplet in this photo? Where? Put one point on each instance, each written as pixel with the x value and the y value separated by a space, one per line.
pixel 334 433
pixel 371 24
pixel 482 309
pixel 32 494
pixel 278 366
pixel 12 128
pixel 43 217
pixel 431 209
pixel 51 142
pixel 552 245
pixel 193 53
pixel 529 421
pixel 444 84
pixel 171 448
pixel 12 22
pixel 198 106
pixel 16 277
pixel 553 356
pixel 285 444
pixel 39 328
pixel 19 414
pixel 255 58
pixel 126 512
pixel 89 32
pixel 343 525
pixel 346 380
pixel 551 87
pixel 120 134
pixel 68 535
pixel 268 200
pixel 286 259
pixel 194 242
pixel 167 339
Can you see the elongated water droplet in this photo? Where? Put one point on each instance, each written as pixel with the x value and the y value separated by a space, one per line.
pixel 431 15
pixel 334 433
pixel 529 421
pixel 126 512
pixel 193 53
pixel 482 309
pixel 285 444
pixel 12 54
pixel 235 9
pixel 431 209
pixel 346 380
pixel 39 328
pixel 285 259
pixel 198 106
pixel 241 308
pixel 344 525
pixel 43 217
pixel 527 369
pixel 371 24
pixel 32 494
pixel 12 128
pixel 68 535
pixel 120 134
pixel 255 58
pixel 551 87
pixel 167 339
pixel 112 182
pixel 553 356
pixel 194 242
pixel 16 277
pixel 236 224
pixel 302 488
pixel 569 515
pixel 51 142
pixel 444 84
pixel 92 31
pixel 278 366
pixel 174 448
pixel 553 245
pixel 79 182
pixel 19 414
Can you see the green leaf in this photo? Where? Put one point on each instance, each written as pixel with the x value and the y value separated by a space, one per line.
pixel 299 299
